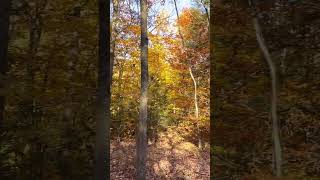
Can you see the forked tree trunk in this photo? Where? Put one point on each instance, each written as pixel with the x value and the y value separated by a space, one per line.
pixel 142 142
pixel 103 117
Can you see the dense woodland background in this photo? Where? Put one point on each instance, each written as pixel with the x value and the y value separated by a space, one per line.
pixel 48 128
pixel 241 89
pixel 49 123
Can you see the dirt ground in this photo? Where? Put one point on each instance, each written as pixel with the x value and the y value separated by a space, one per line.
pixel 171 157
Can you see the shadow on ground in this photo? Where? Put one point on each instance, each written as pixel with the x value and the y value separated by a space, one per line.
pixel 171 157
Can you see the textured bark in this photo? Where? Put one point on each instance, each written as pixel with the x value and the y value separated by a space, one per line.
pixel 4 40
pixel 142 143
pixel 103 117
pixel 277 154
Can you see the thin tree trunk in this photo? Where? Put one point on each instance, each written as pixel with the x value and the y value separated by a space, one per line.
pixel 142 124
pixel 195 93
pixel 213 90
pixel 114 33
pixel 5 6
pixel 206 9
pixel 196 107
pixel 190 69
pixel 179 29
pixel 120 98
pixel 35 32
pixel 74 58
pixel 103 117
pixel 69 114
pixel 275 122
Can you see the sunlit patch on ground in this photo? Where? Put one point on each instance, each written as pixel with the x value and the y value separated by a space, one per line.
pixel 172 157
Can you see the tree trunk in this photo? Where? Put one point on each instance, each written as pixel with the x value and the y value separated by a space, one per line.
pixel 196 107
pixel 275 123
pixel 142 124
pixel 213 89
pixel 35 32
pixel 196 112
pixel 114 33
pixel 103 117
pixel 206 9
pixel 69 114
pixel 5 6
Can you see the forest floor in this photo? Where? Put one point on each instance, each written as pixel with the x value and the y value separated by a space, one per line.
pixel 171 157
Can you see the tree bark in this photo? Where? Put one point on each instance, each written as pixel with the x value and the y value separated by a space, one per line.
pixel 277 154
pixel 103 116
pixel 142 143
pixel 5 6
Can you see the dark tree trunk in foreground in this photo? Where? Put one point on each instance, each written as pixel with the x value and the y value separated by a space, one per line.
pixel 4 40
pixel 142 124
pixel 213 90
pixel 102 151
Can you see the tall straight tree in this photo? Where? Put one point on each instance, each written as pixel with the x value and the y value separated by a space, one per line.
pixel 102 151
pixel 142 124
pixel 4 39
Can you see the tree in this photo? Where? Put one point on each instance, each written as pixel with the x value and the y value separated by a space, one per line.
pixel 277 155
pixel 251 78
pixel 275 123
pixel 143 116
pixel 195 84
pixel 115 34
pixel 4 40
pixel 213 89
pixel 103 116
